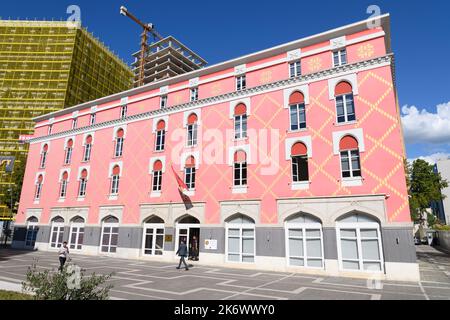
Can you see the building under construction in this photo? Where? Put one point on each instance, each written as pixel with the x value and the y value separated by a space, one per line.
pixel 46 66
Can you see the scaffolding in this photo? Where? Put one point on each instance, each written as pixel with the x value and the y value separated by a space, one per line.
pixel 46 66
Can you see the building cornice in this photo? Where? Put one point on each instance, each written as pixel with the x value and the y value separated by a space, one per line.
pixel 278 85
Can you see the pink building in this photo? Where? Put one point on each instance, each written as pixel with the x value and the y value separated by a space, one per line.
pixel 292 156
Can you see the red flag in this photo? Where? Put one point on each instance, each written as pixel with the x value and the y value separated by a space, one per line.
pixel 181 185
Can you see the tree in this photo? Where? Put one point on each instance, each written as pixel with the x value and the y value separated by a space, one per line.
pixel 12 194
pixel 69 284
pixel 424 187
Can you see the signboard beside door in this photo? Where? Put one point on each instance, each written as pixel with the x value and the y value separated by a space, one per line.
pixel 211 244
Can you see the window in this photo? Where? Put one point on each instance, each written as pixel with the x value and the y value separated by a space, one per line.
pixel 110 235
pixel 360 246
pixel 76 234
pixel 83 184
pixel 297 111
pixel 240 121
pixel 115 179
pixel 57 232
pixel 163 102
pixel 37 194
pixel 50 128
pixel 345 107
pixel 32 230
pixel 299 155
pixel 240 168
pixel 92 119
pixel 123 111
pixel 192 130
pixel 350 164
pixel 87 149
pixel 295 69
pixel 160 135
pixel 118 151
pixel 304 241
pixel 63 187
pixel 340 57
pixel 154 237
pixel 240 244
pixel 189 173
pixel 241 83
pixel 69 149
pixel 157 176
pixel 43 156
pixel 194 94
pixel 74 123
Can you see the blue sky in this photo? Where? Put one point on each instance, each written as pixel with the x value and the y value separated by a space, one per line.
pixel 221 30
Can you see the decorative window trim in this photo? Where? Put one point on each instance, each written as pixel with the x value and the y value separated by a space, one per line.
pixel 358 134
pixel 239 189
pixel 300 185
pixel 304 89
pixel 234 103
pixel 240 70
pixel 156 120
pixel 75 114
pixel 111 167
pixel 186 114
pixel 43 145
pixel 117 128
pixel 352 182
pixel 307 140
pixel 80 170
pixel 37 177
pixel 338 43
pixel 94 109
pixel 164 90
pixel 293 55
pixel 61 172
pixel 194 82
pixel 152 162
pixel 66 140
pixel 89 134
pixel 185 155
pixel 232 150
pixel 350 78
pixel 124 100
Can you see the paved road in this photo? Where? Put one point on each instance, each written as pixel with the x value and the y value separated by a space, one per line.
pixel 153 280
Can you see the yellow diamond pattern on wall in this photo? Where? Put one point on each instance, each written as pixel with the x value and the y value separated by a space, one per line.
pixel 366 51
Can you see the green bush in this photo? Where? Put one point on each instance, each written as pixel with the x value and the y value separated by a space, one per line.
pixel 441 227
pixel 69 284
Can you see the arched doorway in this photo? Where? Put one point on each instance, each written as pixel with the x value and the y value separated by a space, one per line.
pixel 153 238
pixel 32 230
pixel 188 231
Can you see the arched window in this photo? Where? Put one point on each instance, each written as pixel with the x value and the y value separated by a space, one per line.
pixel 299 156
pixel 157 176
pixel 44 156
pixel 345 107
pixel 115 179
pixel 350 163
pixel 304 247
pixel 57 232
pixel 63 187
pixel 119 143
pixel 297 111
pixel 192 127
pixel 240 121
pixel 32 230
pixel 359 243
pixel 240 168
pixel 83 183
pixel 189 173
pixel 240 235
pixel 76 233
pixel 160 135
pixel 69 150
pixel 40 180
pixel 87 149
pixel 153 236
pixel 110 234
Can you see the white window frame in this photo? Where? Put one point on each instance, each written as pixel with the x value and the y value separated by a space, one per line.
pixel 192 178
pixel 241 82
pixel 241 227
pixel 192 134
pixel 74 123
pixel 32 229
pixel 161 137
pixel 358 226
pixel 49 130
pixel 241 166
pixel 194 94
pixel 304 226
pixel 297 107
pixel 75 228
pixel 154 227
pixel 158 178
pixel 340 54
pixel 57 227
pixel 38 191
pixel 115 182
pixel 163 102
pixel 345 102
pixel 349 155
pixel 295 69
pixel 82 188
pixel 241 120
pixel 123 111
pixel 68 155
pixel 92 118
pixel 118 147
pixel 43 159
pixel 109 225
pixel 63 188
pixel 292 169
pixel 87 152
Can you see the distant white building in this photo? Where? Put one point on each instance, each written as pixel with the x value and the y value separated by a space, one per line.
pixel 442 208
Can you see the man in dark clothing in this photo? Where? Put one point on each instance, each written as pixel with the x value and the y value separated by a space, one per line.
pixel 63 253
pixel 182 252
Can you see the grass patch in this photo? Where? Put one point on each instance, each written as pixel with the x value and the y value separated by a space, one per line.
pixel 9 295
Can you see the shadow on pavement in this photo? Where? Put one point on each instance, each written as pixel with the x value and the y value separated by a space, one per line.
pixel 8 253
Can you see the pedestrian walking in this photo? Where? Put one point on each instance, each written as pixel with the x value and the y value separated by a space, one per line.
pixel 63 254
pixel 182 253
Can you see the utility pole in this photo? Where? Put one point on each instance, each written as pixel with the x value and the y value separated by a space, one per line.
pixel 147 28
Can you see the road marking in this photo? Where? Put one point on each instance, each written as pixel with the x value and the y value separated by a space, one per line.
pixel 423 291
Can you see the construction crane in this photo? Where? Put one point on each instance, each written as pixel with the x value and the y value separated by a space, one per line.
pixel 147 28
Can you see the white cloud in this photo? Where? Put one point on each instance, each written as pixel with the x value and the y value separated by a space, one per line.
pixel 432 158
pixel 425 127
